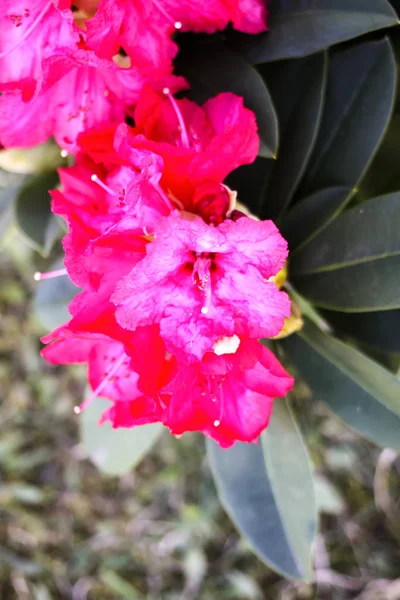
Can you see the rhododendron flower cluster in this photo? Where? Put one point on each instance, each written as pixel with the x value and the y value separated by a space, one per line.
pixel 66 67
pixel 177 283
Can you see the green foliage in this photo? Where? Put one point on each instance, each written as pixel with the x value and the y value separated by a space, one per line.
pixel 358 106
pixel 114 451
pixel 212 68
pixel 300 27
pixel 52 298
pixel 33 214
pixel 308 217
pixel 352 265
pixel 7 199
pixel 361 392
pixel 268 491
pixel 378 329
pixel 299 115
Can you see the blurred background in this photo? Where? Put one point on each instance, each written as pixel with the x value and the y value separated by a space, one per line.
pixel 68 531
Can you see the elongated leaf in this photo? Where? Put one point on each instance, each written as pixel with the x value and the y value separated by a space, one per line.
pixel 52 298
pixel 356 289
pixel 114 451
pixel 33 213
pixel 308 217
pixel 301 27
pixel 212 68
pixel 359 101
pixel 289 471
pixel 267 490
pixel 353 264
pixel 297 89
pixel 361 392
pixel 383 176
pixel 7 198
pixel 380 329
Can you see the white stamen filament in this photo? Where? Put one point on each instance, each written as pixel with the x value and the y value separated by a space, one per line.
pixel 177 24
pixel 207 293
pixel 182 126
pixel 202 275
pixel 38 276
pixel 64 153
pixel 100 387
pixel 213 385
pixel 103 185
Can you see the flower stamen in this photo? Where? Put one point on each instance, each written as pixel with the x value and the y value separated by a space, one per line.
pixel 176 24
pixel 202 276
pixel 182 126
pixel 101 386
pixel 103 185
pixel 38 276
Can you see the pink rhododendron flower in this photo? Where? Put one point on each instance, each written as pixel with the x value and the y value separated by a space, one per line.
pixel 201 283
pixel 228 397
pixel 139 27
pixel 197 143
pixel 76 91
pixel 111 374
pixel 144 28
pixel 49 70
pixel 104 241
pixel 125 367
pixel 199 146
pixel 29 33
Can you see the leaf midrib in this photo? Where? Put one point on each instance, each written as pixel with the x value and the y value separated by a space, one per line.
pixel 343 265
pixel 342 367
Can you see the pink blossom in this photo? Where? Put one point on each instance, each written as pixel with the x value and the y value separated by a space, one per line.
pixel 144 28
pixel 29 33
pixel 197 143
pixel 52 84
pixel 107 219
pixel 201 283
pixel 230 397
pixel 76 91
pixel 110 375
pixel 137 26
pixel 199 146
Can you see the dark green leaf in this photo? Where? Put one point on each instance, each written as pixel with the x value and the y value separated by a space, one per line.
pixel 268 492
pixel 301 27
pixel 297 89
pixel 357 389
pixel 353 264
pixel 114 451
pixel 250 182
pixel 379 329
pixel 308 217
pixel 359 101
pixel 383 175
pixel 33 213
pixel 213 68
pixel 362 288
pixel 52 298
